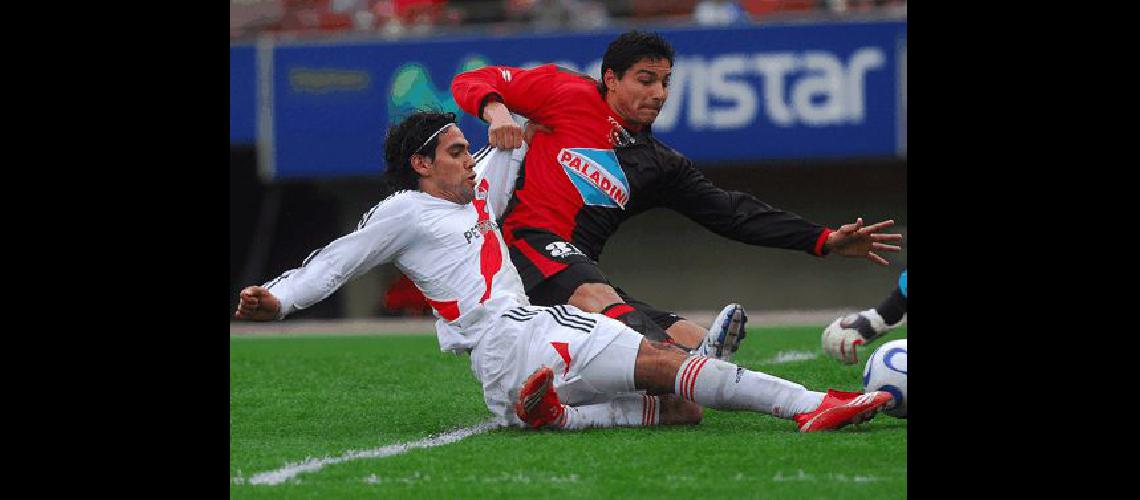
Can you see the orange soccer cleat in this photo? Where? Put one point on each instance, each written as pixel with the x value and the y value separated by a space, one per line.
pixel 538 403
pixel 840 408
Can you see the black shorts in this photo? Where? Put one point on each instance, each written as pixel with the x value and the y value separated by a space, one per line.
pixel 551 269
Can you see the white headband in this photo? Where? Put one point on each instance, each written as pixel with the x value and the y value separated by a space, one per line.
pixel 430 137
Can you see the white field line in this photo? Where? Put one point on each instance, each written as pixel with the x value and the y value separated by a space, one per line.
pixel 289 471
pixel 800 475
pixel 789 356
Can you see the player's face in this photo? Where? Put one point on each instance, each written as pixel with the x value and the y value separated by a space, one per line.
pixel 639 95
pixel 452 173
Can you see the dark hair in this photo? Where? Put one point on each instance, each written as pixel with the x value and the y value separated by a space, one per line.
pixel 406 138
pixel 628 49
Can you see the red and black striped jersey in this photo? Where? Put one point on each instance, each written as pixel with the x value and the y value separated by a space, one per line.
pixel 595 170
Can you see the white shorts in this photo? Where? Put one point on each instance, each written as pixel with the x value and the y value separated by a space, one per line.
pixel 592 356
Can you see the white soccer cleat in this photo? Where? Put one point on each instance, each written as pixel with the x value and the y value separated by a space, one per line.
pixel 725 334
pixel 841 337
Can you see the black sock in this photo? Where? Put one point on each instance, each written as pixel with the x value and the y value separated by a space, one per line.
pixel 637 320
pixel 893 308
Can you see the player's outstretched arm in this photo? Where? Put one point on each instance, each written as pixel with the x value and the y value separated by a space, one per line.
pixel 257 303
pixel 857 240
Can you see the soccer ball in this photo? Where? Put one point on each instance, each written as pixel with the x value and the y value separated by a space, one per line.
pixel 886 371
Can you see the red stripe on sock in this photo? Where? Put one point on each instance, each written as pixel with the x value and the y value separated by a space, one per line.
pixel 644 409
pixel 616 311
pixel 693 377
pixel 684 374
pixel 680 377
pixel 684 384
pixel 685 378
pixel 653 411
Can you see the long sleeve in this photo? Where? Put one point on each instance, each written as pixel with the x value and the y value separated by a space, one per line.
pixel 382 233
pixel 735 215
pixel 527 92
pixel 500 168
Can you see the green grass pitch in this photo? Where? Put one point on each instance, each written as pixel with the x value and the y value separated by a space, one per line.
pixel 300 397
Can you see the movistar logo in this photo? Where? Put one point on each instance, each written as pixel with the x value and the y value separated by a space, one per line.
pixel 597 175
pixel 412 89
pixel 324 81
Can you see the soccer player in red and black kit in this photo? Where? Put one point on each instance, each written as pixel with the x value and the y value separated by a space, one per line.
pixel 599 164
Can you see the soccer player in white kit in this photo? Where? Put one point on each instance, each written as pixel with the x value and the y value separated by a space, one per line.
pixel 574 369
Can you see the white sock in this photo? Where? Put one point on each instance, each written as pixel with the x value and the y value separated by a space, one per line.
pixel 725 386
pixel 877 322
pixel 636 410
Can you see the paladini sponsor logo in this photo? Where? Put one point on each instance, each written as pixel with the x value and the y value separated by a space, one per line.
pixel 605 184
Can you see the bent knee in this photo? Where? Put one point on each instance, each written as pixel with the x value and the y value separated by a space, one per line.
pixel 677 411
pixel 655 369
pixel 691 413
pixel 593 297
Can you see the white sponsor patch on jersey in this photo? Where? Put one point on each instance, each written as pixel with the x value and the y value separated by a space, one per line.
pixel 597 175
pixel 561 249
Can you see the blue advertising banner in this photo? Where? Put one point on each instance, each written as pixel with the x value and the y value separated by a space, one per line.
pixel 737 94
pixel 243 95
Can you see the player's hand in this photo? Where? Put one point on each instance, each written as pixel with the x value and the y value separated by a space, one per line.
pixel 855 240
pixel 535 128
pixel 258 304
pixel 503 132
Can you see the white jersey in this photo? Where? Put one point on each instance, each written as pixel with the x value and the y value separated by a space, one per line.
pixel 454 254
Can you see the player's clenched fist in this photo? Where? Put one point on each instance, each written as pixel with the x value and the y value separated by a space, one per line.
pixel 258 304
pixel 505 135
pixel 503 132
